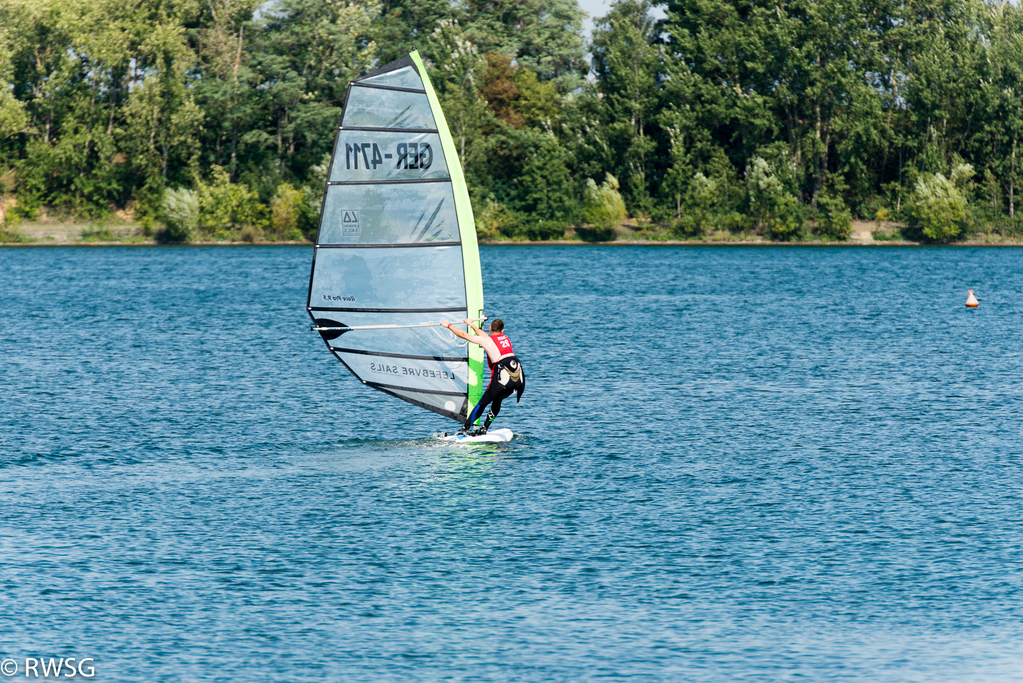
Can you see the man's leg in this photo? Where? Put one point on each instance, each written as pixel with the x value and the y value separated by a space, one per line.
pixel 495 408
pixel 477 412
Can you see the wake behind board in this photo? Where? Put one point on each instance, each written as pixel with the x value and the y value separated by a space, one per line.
pixel 496 436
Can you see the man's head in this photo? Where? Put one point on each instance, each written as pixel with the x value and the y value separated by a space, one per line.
pixel 496 326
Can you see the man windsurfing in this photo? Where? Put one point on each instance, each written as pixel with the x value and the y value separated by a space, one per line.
pixel 506 375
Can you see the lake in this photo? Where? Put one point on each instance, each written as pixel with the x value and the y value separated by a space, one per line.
pixel 731 463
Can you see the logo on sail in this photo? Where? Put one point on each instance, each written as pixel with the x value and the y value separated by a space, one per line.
pixel 350 223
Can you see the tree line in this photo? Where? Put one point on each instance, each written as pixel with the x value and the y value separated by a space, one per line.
pixel 782 119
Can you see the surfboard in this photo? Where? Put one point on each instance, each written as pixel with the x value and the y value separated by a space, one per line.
pixel 495 436
pixel 396 250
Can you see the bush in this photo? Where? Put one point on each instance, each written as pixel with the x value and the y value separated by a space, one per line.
pixel 312 195
pixel 250 234
pixel 492 219
pixel 603 209
pixel 1013 226
pixel 785 218
pixel 891 234
pixel 9 222
pixel 225 206
pixel 774 210
pixel 286 208
pixel 866 209
pixel 734 222
pixel 938 206
pixel 10 234
pixel 592 234
pixel 690 225
pixel 97 233
pixel 9 230
pixel 699 207
pixel 180 213
pixel 524 226
pixel 834 220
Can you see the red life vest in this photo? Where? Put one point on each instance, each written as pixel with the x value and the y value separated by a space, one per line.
pixel 504 347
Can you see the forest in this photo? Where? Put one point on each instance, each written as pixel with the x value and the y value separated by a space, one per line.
pixel 214 119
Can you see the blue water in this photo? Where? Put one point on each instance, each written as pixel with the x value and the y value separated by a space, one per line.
pixel 732 463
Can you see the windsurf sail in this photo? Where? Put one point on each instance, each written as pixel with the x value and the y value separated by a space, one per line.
pixel 396 247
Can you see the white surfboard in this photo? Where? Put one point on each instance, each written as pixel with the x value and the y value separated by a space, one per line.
pixel 496 436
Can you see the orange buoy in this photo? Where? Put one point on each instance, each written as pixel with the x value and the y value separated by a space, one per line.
pixel 971 301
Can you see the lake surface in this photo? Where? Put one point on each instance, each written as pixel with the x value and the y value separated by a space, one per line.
pixel 732 463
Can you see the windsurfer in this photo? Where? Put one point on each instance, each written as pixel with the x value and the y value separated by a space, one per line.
pixel 506 375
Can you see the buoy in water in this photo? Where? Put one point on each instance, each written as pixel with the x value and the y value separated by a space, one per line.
pixel 971 301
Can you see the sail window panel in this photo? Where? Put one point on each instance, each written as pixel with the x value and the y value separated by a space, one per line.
pixel 427 376
pixel 362 155
pixel 388 278
pixel 434 341
pixel 389 214
pixel 405 77
pixel 456 405
pixel 376 108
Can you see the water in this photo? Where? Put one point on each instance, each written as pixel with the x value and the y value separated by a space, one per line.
pixel 732 463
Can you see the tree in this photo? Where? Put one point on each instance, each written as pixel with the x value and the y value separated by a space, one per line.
pixel 627 61
pixel 12 111
pixel 540 34
pixel 457 69
pixel 225 91
pixel 677 122
pixel 404 24
pixel 1002 87
pixel 306 52
pixel 726 47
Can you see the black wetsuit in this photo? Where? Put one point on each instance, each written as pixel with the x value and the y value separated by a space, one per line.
pixel 506 377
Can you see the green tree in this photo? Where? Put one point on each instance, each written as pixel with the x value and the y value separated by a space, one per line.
pixel 1002 88
pixel 626 61
pixel 12 111
pixel 456 70
pixel 543 35
pixel 404 24
pixel 726 47
pixel 306 52
pixel 773 208
pixel 225 90
pixel 677 123
pixel 827 53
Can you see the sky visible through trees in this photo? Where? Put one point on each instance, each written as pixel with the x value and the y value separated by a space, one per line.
pixel 783 120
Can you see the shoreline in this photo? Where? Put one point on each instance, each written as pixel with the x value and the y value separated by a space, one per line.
pixel 68 234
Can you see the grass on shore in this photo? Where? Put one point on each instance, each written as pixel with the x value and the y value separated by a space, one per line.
pixel 49 231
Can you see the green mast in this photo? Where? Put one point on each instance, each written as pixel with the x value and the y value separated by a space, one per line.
pixel 466 230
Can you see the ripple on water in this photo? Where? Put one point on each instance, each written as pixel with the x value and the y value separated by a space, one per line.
pixel 753 464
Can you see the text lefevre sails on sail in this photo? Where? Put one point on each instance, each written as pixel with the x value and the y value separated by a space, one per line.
pixel 397 245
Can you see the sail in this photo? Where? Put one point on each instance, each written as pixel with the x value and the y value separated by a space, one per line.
pixel 396 246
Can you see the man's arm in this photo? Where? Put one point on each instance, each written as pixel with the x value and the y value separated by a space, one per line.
pixel 464 335
pixel 478 331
